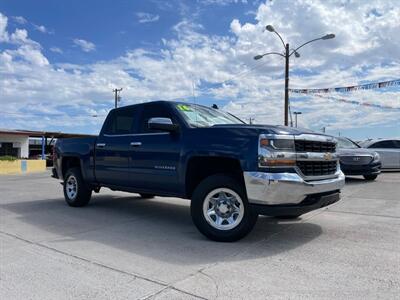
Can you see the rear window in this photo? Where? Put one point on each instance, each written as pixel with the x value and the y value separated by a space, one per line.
pixel 121 121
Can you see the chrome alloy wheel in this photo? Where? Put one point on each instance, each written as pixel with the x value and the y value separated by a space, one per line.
pixel 223 209
pixel 71 187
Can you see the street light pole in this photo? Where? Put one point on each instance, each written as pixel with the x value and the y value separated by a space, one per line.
pixel 286 84
pixel 287 55
pixel 295 115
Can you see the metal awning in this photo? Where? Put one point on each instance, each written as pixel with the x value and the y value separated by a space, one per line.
pixel 47 134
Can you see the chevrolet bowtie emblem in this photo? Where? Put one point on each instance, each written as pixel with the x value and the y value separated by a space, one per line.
pixel 328 156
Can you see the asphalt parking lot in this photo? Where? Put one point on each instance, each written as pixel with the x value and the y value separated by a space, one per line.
pixel 123 247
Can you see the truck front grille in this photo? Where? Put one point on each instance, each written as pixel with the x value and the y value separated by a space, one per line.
pixel 314 146
pixel 317 168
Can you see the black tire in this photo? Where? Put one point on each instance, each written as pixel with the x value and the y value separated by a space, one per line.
pixel 82 194
pixel 288 217
pixel 370 177
pixel 205 187
pixel 146 196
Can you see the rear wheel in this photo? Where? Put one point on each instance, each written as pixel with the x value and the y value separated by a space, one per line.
pixel 370 177
pixel 76 192
pixel 220 209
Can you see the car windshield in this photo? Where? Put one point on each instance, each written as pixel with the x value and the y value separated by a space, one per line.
pixel 201 116
pixel 346 144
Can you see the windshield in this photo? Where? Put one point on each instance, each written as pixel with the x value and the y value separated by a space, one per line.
pixel 346 144
pixel 200 116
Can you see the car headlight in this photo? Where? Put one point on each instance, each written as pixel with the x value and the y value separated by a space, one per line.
pixel 376 156
pixel 276 152
pixel 278 144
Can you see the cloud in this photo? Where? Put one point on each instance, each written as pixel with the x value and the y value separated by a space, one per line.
pixel 56 50
pixel 3 28
pixel 20 20
pixel 85 46
pixel 41 28
pixel 223 2
pixel 147 17
pixel 222 68
pixel 27 51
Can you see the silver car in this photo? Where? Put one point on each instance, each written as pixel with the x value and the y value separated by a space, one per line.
pixel 388 149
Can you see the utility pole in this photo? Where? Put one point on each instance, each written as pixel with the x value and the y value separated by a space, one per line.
pixel 116 95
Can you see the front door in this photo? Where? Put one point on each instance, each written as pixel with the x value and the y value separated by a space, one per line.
pixel 155 154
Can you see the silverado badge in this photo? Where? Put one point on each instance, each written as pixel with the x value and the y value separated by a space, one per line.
pixel 327 156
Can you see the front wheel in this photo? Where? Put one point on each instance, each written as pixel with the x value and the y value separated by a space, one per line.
pixel 76 192
pixel 370 177
pixel 220 209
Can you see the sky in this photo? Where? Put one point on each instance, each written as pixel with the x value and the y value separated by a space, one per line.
pixel 60 60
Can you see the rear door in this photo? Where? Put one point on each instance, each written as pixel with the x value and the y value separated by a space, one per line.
pixel 113 150
pixel 389 153
pixel 155 154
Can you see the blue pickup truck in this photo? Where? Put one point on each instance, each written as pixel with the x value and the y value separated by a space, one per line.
pixel 231 171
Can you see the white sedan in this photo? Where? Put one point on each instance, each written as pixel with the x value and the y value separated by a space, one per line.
pixel 388 149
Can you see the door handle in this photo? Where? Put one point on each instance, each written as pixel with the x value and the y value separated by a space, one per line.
pixel 100 145
pixel 136 144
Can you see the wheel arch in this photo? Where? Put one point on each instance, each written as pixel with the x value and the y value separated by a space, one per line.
pixel 200 167
pixel 68 162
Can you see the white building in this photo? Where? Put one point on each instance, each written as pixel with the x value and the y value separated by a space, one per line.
pixel 14 144
pixel 30 144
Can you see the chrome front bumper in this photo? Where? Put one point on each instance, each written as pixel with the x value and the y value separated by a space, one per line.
pixel 286 188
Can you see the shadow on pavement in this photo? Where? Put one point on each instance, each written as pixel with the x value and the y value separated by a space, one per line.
pixel 358 180
pixel 160 229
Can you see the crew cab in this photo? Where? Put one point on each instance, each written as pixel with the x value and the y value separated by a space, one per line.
pixel 231 171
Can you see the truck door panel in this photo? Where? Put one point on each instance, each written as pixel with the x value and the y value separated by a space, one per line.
pixel 156 159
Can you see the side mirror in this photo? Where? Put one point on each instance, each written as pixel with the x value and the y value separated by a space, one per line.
pixel 164 124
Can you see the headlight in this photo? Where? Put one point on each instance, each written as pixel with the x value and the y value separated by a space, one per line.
pixel 376 156
pixel 278 144
pixel 276 152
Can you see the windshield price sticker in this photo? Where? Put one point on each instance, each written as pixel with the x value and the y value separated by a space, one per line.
pixel 184 107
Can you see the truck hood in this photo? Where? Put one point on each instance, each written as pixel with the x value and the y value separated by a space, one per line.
pixel 271 129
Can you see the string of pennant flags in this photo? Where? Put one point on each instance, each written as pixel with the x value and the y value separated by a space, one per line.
pixel 355 102
pixel 368 86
